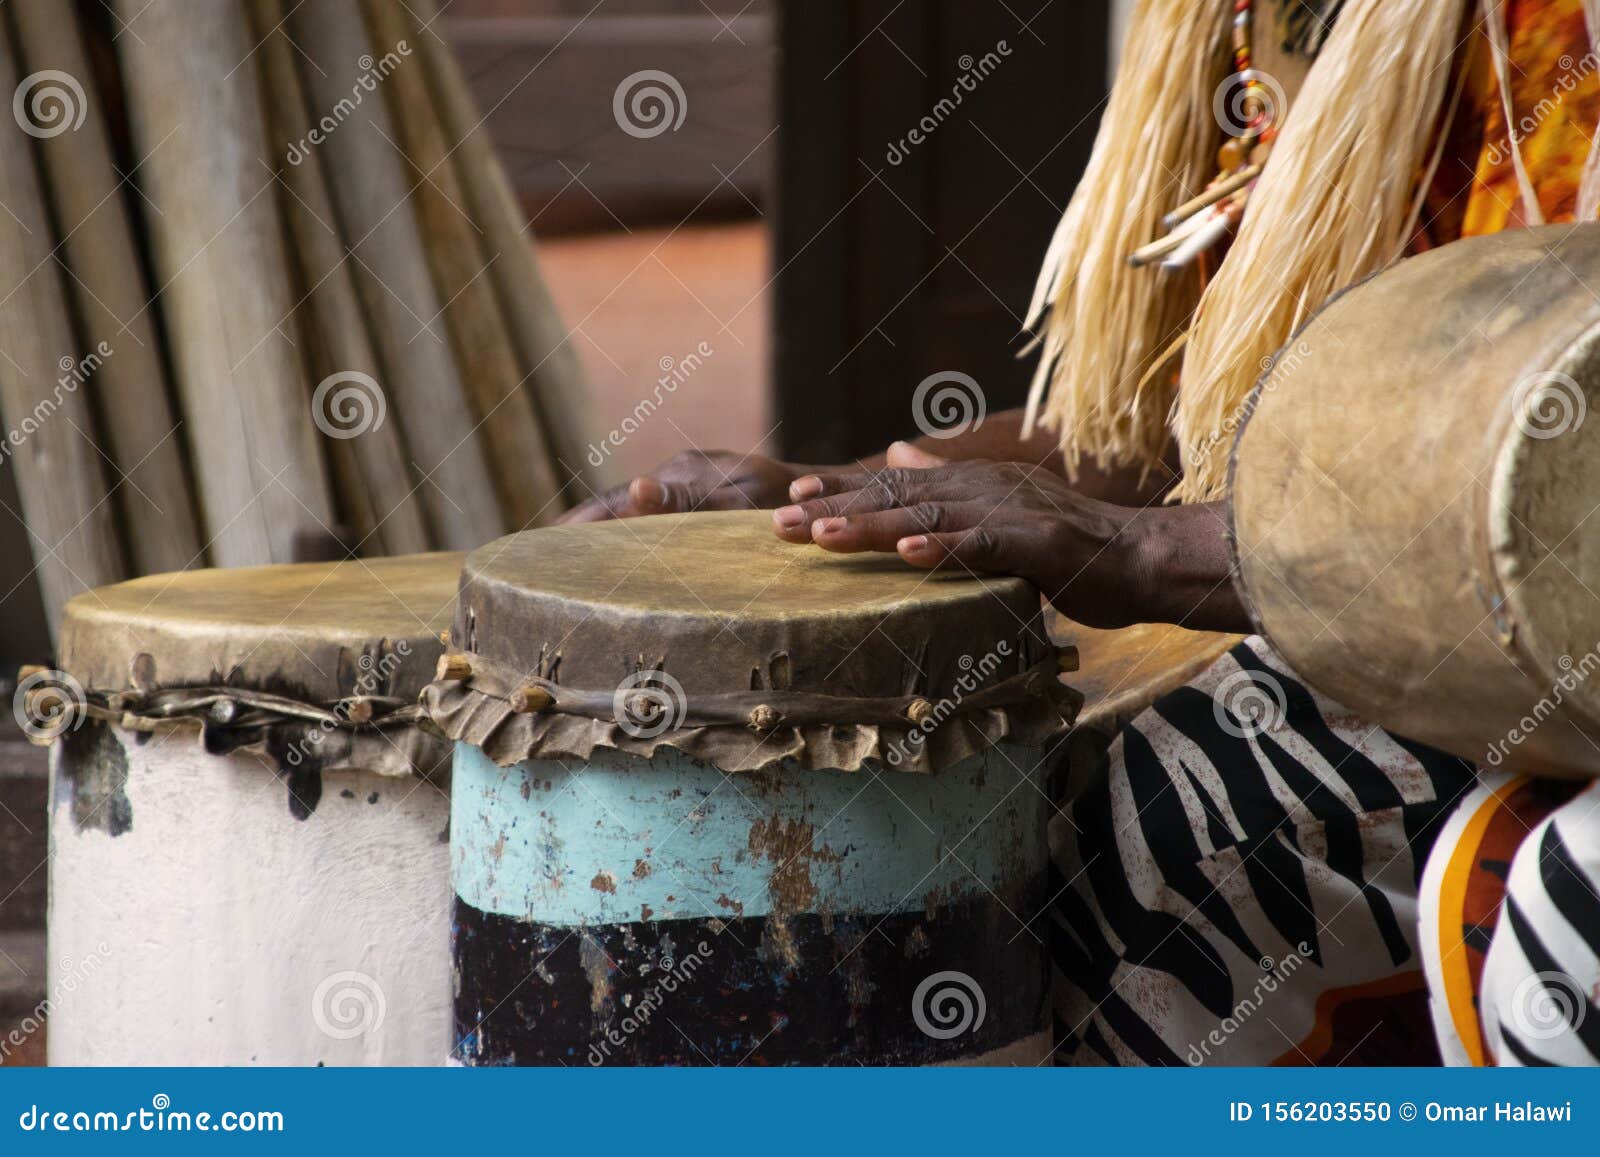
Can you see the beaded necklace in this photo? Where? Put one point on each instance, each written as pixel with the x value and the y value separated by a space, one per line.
pixel 1246 107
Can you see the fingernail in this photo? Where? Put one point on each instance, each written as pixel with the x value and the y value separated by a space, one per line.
pixel 916 544
pixel 827 526
pixel 789 517
pixel 647 492
pixel 803 488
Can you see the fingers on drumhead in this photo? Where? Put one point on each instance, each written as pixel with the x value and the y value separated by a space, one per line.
pixel 647 495
pixel 978 548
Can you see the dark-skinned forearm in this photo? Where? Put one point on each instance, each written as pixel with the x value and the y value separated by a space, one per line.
pixel 1184 563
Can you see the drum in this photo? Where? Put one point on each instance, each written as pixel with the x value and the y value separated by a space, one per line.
pixel 1413 494
pixel 249 826
pixel 1122 672
pixel 719 800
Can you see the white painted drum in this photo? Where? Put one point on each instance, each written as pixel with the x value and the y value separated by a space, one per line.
pixel 284 902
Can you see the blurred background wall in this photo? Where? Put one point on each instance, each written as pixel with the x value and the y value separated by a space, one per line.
pixel 830 263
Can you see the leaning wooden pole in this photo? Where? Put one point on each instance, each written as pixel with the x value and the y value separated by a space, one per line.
pixel 366 173
pixel 49 440
pixel 144 440
pixel 549 362
pixel 376 491
pixel 523 472
pixel 198 124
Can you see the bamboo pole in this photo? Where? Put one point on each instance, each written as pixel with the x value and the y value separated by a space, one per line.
pixel 365 170
pixel 376 490
pixel 144 441
pixel 49 436
pixel 197 120
pixel 517 455
pixel 550 363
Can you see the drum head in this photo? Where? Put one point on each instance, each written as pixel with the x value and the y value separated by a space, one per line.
pixel 744 649
pixel 298 630
pixel 719 600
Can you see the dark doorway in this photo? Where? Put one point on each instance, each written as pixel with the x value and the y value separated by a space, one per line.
pixel 926 150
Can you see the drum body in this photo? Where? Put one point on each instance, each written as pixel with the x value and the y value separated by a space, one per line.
pixel 674 915
pixel 262 876
pixel 770 863
pixel 1413 493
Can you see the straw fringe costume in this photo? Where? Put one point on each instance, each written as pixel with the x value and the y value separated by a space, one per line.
pixel 1231 893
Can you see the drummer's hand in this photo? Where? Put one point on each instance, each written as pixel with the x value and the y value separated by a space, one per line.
pixel 693 480
pixel 1100 564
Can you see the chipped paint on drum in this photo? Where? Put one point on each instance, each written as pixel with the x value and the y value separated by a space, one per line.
pixel 196 921
pixel 812 905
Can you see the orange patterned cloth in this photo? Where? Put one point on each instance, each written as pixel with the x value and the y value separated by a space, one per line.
pixel 1555 97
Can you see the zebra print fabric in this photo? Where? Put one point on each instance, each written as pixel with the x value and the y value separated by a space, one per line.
pixel 1511 925
pixel 1238 881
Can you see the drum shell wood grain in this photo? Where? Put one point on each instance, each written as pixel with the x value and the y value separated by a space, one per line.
pixel 659 911
pixel 1412 491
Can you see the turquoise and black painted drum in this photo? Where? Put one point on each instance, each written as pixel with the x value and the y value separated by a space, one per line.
pixel 719 800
